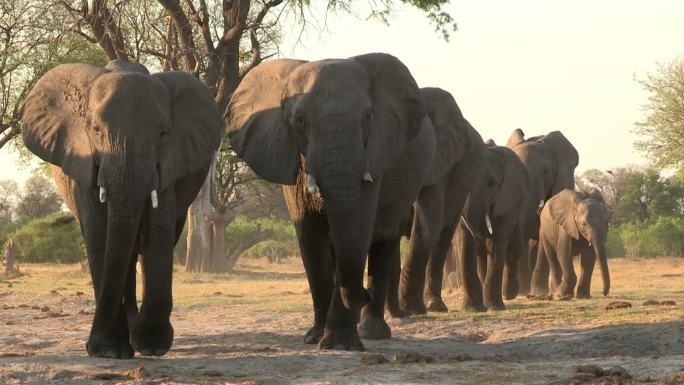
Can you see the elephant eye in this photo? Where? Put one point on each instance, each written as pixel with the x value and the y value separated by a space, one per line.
pixel 97 130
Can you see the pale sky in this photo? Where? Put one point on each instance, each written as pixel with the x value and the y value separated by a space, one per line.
pixel 539 65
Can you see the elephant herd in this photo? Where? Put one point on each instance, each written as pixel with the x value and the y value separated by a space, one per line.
pixel 365 157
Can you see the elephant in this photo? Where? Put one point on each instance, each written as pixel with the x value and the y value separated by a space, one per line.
pixel 550 161
pixel 350 141
pixel 573 223
pixel 489 233
pixel 130 152
pixel 438 207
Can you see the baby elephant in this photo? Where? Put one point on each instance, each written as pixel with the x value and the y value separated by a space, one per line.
pixel 572 223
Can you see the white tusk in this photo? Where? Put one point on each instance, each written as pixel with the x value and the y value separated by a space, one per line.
pixel 155 201
pixel 311 184
pixel 367 177
pixel 541 203
pixel 489 224
pixel 103 195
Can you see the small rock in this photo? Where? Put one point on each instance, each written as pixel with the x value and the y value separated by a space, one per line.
pixel 594 370
pixel 10 322
pixel 619 371
pixel 618 305
pixel 212 373
pixel 54 292
pixel 668 303
pixel 79 294
pixel 9 284
pixel 107 376
pixel 23 305
pixel 411 357
pixel 373 359
pixel 217 293
pixel 138 373
pixel 7 307
pixel 651 302
pixel 35 307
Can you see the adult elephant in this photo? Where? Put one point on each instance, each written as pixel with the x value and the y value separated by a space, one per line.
pixel 131 151
pixel 438 207
pixel 489 234
pixel 550 161
pixel 350 139
pixel 572 224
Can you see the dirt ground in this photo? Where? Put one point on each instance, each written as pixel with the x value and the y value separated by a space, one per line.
pixel 247 327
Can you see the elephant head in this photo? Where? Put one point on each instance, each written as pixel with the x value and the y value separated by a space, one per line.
pixel 340 122
pixel 583 216
pixel 123 135
pixel 550 161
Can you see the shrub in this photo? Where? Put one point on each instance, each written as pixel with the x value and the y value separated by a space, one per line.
pixel 54 238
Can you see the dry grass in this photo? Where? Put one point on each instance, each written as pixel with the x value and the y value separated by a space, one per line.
pixel 247 325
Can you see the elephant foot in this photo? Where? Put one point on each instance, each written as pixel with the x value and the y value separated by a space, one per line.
pixel 413 306
pixel 373 327
pixel 510 293
pixel 583 293
pixel 495 306
pixel 152 337
pixel 543 297
pixel 564 297
pixel 475 307
pixel 109 348
pixel 341 339
pixel 314 334
pixel 437 305
pixel 395 312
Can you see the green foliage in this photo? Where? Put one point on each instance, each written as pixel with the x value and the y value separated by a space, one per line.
pixel 282 242
pixel 662 129
pixel 663 236
pixel 55 238
pixel 615 247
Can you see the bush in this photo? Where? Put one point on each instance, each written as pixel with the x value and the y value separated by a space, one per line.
pixel 282 242
pixel 54 238
pixel 663 236
pixel 615 247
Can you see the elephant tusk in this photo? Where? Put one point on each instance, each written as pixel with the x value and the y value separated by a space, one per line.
pixel 367 177
pixel 311 184
pixel 489 224
pixel 103 195
pixel 155 201
pixel 541 203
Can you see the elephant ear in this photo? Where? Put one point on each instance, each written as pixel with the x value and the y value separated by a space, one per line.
pixel 596 195
pixel 195 127
pixel 566 158
pixel 398 109
pixel 257 127
pixel 450 131
pixel 517 137
pixel 55 119
pixel 513 187
pixel 562 208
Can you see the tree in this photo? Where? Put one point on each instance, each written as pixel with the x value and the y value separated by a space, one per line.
pixel 9 191
pixel 38 198
pixel 663 127
pixel 218 41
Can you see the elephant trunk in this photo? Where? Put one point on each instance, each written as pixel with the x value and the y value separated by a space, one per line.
pixel 338 166
pixel 600 250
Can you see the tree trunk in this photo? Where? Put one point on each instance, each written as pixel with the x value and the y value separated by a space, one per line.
pixel 199 228
pixel 235 249
pixel 9 263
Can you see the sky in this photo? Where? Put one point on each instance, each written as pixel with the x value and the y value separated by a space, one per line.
pixel 539 65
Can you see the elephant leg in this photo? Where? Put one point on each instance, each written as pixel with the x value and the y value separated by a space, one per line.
pixel 511 285
pixel 569 279
pixel 587 261
pixel 526 265
pixel 435 268
pixel 482 265
pixel 373 325
pixel 427 221
pixel 152 333
pixel 340 331
pixel 540 275
pixel 317 256
pixel 393 274
pixel 496 259
pixel 465 249
pixel 110 337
